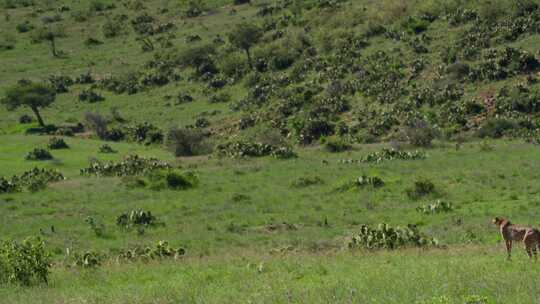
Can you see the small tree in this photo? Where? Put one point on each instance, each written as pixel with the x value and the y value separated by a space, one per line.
pixel 244 36
pixel 49 34
pixel 30 94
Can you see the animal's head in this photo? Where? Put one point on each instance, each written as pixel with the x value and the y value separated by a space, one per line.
pixel 497 221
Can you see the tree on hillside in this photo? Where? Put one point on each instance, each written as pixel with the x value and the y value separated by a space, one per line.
pixel 49 34
pixel 244 36
pixel 29 94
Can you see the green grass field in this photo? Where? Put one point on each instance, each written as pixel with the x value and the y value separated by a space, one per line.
pixel 368 74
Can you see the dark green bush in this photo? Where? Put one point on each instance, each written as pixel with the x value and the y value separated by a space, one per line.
pixel 386 237
pixel 39 154
pixel 336 144
pixel 90 96
pixel 238 149
pixel 24 263
pixel 131 165
pixel 106 149
pixel 26 119
pixel 496 127
pixel 188 142
pixel 303 182
pixel 24 27
pixel 135 218
pixel 421 187
pixel 56 143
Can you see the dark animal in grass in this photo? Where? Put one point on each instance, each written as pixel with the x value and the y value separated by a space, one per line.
pixel 510 232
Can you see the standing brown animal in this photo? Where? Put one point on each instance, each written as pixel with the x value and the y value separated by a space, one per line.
pixel 510 232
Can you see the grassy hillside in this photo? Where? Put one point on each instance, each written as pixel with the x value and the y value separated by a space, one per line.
pixel 228 178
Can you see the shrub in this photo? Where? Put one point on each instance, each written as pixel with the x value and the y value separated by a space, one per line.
pixel 56 143
pixel 421 187
pixel 89 259
pixel 334 145
pixel 33 180
pixel 420 134
pixel 237 149
pixel 309 130
pixel 25 119
pixel 187 142
pixel 98 124
pixel 97 227
pixel 437 207
pixel 24 27
pixel 386 237
pixel 496 127
pixel 60 83
pixel 90 95
pixel 136 218
pixel 415 25
pixel 38 154
pixel 219 98
pixel 160 250
pixel 131 165
pixel 303 182
pixel 24 263
pixel 115 26
pixel 170 179
pixel 362 181
pixel 388 154
pixel 8 186
pixel 145 133
pixel 91 41
pixel 7 42
pixel 106 149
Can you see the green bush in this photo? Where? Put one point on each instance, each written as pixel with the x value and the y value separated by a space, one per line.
pixel 106 149
pixel 437 207
pixel 160 250
pixel 335 145
pixel 421 187
pixel 24 27
pixel 362 181
pixel 386 237
pixel 7 42
pixel 39 154
pixel 131 165
pixel 24 263
pixel 303 182
pixel 91 96
pixel 115 26
pixel 239 149
pixel 136 218
pixel 89 259
pixel 188 142
pixel 56 143
pixel 496 127
pixel 169 179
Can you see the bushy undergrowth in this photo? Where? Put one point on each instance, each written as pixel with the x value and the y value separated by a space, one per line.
pixel 385 236
pixel 39 154
pixel 56 143
pixel 161 250
pixel 363 181
pixel 24 263
pixel 436 207
pixel 131 165
pixel 253 149
pixel 420 188
pixel 387 154
pixel 303 182
pixel 165 179
pixel 136 218
pixel 32 180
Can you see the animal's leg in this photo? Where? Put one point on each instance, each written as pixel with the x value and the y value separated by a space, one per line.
pixel 530 245
pixel 508 249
